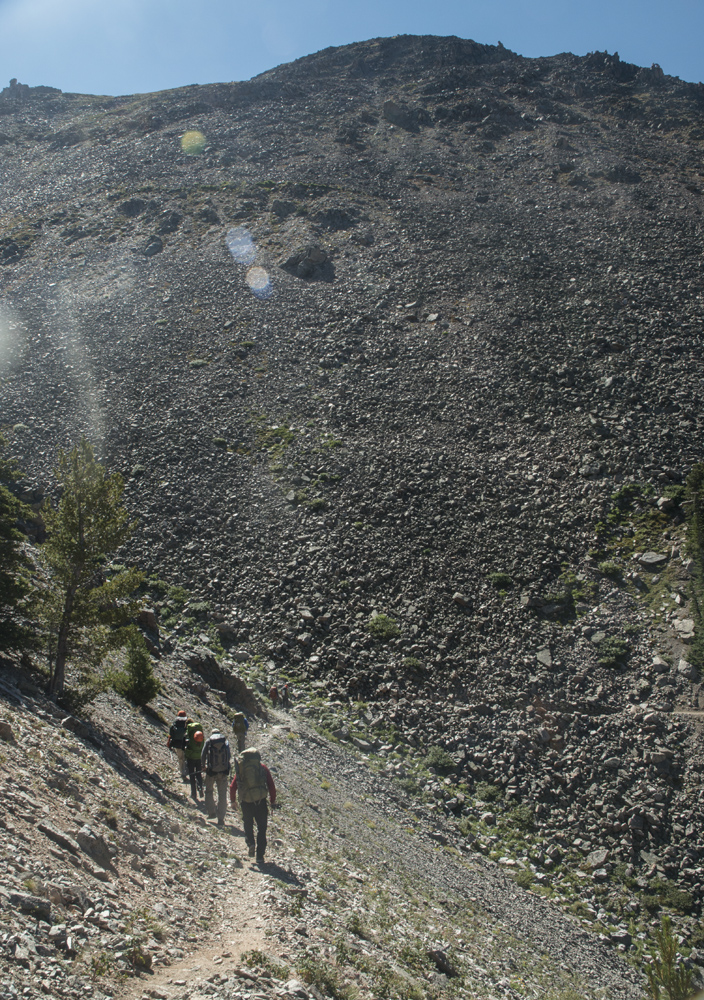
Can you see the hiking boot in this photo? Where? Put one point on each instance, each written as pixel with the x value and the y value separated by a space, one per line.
pixel 212 815
pixel 260 859
pixel 221 822
pixel 251 850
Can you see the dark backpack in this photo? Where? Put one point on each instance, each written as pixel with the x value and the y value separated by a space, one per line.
pixel 177 733
pixel 218 761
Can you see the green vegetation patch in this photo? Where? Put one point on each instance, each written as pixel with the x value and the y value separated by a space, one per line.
pixel 612 651
pixel 487 792
pixel 440 759
pixel 382 628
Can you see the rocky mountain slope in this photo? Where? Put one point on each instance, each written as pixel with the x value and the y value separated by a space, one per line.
pixel 115 883
pixel 399 350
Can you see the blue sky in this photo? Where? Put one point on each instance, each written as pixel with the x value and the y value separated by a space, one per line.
pixel 135 46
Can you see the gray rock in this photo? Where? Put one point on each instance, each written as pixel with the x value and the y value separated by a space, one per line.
pixel 154 246
pixel 653 560
pixel 306 262
pixel 295 988
pixel 60 838
pixel 687 670
pixel 685 629
pixel 397 114
pixel 598 858
pixel 362 745
pixel 94 845
pixel 6 732
pixel 544 656
pixel 37 906
pixel 620 936
pixel 283 208
pixel 147 619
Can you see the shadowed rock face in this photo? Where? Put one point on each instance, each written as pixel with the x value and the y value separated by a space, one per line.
pixel 507 330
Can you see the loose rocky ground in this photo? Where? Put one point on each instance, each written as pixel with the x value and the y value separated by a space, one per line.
pixel 115 884
pixel 407 328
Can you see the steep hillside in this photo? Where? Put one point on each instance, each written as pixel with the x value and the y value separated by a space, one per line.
pixel 115 883
pixel 409 328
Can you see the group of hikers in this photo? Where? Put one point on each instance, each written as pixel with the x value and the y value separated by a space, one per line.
pixel 250 785
pixel 284 696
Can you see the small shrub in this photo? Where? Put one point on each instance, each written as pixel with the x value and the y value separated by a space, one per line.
pixel 325 977
pixel 609 568
pixel 486 792
pixel 524 878
pixel 259 960
pixel 412 663
pixel 676 899
pixel 179 595
pixel 200 607
pixel 612 652
pixel 220 442
pixel 502 581
pixel 317 503
pixel 440 759
pixel 522 817
pixel 355 925
pixel 197 363
pixel 108 816
pixel 100 964
pixel 382 628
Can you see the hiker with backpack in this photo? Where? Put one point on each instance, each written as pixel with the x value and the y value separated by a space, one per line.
pixel 274 695
pixel 250 784
pixel 193 752
pixel 215 761
pixel 285 696
pixel 240 725
pixel 177 742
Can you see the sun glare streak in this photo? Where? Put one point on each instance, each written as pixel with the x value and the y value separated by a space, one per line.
pixel 12 339
pixel 67 339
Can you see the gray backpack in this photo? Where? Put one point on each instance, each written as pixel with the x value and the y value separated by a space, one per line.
pixel 218 757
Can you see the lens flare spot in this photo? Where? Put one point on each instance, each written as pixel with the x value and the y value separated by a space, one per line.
pixel 241 245
pixel 259 282
pixel 193 143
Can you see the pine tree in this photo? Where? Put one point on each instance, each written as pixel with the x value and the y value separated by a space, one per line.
pixel 84 611
pixel 140 684
pixel 14 586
